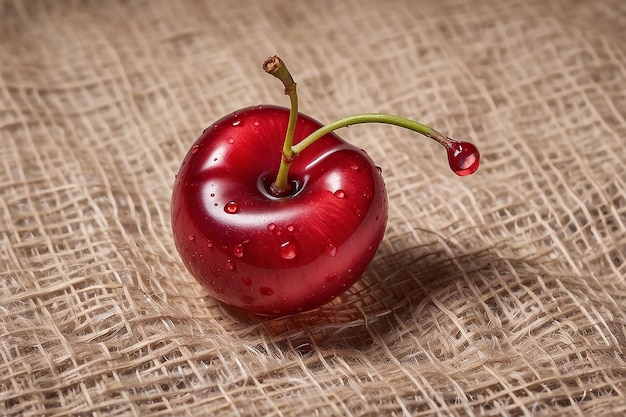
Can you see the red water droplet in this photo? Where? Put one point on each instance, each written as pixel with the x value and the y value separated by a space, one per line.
pixel 266 291
pixel 290 228
pixel 229 265
pixel 463 158
pixel 247 281
pixel 237 123
pixel 230 141
pixel 195 149
pixel 331 277
pixel 271 227
pixel 340 193
pixel 288 250
pixel 209 244
pixel 238 251
pixel 331 250
pixel 192 237
pixel 231 207
pixel 354 167
pixel 379 169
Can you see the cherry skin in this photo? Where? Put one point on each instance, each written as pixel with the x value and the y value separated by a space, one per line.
pixel 267 253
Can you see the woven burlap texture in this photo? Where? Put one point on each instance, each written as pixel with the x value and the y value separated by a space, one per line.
pixel 503 293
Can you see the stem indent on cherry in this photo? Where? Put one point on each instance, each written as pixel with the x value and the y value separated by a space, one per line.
pixel 463 157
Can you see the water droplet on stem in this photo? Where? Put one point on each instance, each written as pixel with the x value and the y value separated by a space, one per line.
pixel 463 158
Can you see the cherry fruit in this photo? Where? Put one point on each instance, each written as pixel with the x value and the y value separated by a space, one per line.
pixel 277 233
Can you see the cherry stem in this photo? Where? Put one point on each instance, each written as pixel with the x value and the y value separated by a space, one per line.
pixel 457 151
pixel 276 67
pixel 389 119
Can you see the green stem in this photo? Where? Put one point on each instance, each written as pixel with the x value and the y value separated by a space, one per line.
pixel 276 67
pixel 281 187
pixel 373 118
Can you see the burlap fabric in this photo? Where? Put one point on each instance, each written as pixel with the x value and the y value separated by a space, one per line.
pixel 503 293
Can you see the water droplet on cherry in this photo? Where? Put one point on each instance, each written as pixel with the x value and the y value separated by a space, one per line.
pixel 463 158
pixel 229 265
pixel 238 251
pixel 256 123
pixel 290 228
pixel 192 237
pixel 340 193
pixel 331 277
pixel 231 207
pixel 266 291
pixel 237 123
pixel 288 250
pixel 195 148
pixel 354 167
pixel 230 140
pixel 379 169
pixel 271 227
pixel 331 250
pixel 247 280
pixel 210 244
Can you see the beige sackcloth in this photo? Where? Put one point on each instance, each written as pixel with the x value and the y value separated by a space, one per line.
pixel 502 293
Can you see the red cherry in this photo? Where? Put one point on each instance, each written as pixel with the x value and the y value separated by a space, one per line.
pixel 295 215
pixel 284 249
